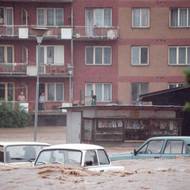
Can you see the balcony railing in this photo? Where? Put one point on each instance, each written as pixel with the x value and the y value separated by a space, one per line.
pixel 53 70
pixel 30 31
pixel 46 70
pixel 60 32
pixel 93 32
pixel 12 68
pixel 31 70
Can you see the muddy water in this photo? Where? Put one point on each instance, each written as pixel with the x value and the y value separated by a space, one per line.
pixel 138 174
pixel 151 174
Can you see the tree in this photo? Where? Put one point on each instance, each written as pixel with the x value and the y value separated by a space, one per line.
pixel 10 117
pixel 187 75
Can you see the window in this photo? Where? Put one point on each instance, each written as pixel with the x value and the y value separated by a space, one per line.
pixel 6 91
pixel 175 85
pixel 152 147
pixel 101 17
pixel 91 158
pixel 140 17
pixel 50 16
pixel 24 17
pixel 6 54
pixel 179 55
pixel 55 92
pixel 51 55
pixel 103 158
pixel 103 91
pixel 180 17
pixel 174 147
pixel 98 55
pixel 139 55
pixel 137 90
pixel 1 15
pixel 6 15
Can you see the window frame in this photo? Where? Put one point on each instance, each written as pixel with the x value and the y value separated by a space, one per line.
pixel 6 88
pixel 177 56
pixel 94 55
pixel 6 53
pixel 139 56
pixel 139 87
pixel 45 9
pixel 140 25
pixel 102 90
pixel 175 85
pixel 178 17
pixel 94 16
pixel 54 92
pixel 174 140
pixel 45 58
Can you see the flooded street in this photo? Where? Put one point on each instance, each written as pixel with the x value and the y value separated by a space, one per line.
pixel 159 174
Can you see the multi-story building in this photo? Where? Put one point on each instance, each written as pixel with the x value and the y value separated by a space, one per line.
pixel 35 33
pixel 115 49
pixel 154 46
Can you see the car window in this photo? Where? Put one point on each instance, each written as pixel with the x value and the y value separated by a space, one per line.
pixel 174 147
pixel 22 153
pixel 103 158
pixel 59 156
pixel 152 147
pixel 91 158
pixel 1 154
pixel 188 149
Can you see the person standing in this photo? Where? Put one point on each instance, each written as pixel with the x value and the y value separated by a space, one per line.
pixel 41 101
pixel 21 97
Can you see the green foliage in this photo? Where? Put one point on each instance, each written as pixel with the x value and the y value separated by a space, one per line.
pixel 10 117
pixel 187 75
pixel 187 107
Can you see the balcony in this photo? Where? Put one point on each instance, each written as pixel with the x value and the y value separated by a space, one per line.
pixel 95 33
pixel 30 32
pixel 48 71
pixel 12 69
pixel 59 32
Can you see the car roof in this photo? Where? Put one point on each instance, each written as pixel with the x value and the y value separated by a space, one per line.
pixel 74 147
pixel 185 138
pixel 9 143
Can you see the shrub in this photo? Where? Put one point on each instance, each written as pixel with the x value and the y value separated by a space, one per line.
pixel 10 117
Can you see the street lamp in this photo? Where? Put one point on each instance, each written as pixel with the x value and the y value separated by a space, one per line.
pixel 70 73
pixel 39 34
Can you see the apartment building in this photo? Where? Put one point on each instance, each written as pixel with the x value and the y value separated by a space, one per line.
pixel 154 46
pixel 114 49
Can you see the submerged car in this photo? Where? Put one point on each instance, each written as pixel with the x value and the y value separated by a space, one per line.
pixel 91 157
pixel 20 152
pixel 159 147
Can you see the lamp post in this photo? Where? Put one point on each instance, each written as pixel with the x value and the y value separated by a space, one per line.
pixel 39 37
pixel 70 73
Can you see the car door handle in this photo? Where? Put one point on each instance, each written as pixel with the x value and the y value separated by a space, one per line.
pixel 157 157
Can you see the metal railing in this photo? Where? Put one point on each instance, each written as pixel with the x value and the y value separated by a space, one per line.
pixel 77 32
pixel 13 68
pixel 93 32
pixel 46 69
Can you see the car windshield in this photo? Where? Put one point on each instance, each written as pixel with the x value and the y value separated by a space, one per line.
pixel 62 156
pixel 22 153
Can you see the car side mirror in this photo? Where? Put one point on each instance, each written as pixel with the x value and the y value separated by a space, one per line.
pixel 135 152
pixel 88 163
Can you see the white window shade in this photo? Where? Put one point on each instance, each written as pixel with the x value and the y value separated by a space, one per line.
pixel 23 33
pixel 59 55
pixel 66 33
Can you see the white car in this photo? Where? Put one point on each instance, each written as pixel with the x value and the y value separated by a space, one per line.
pixel 91 157
pixel 18 153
